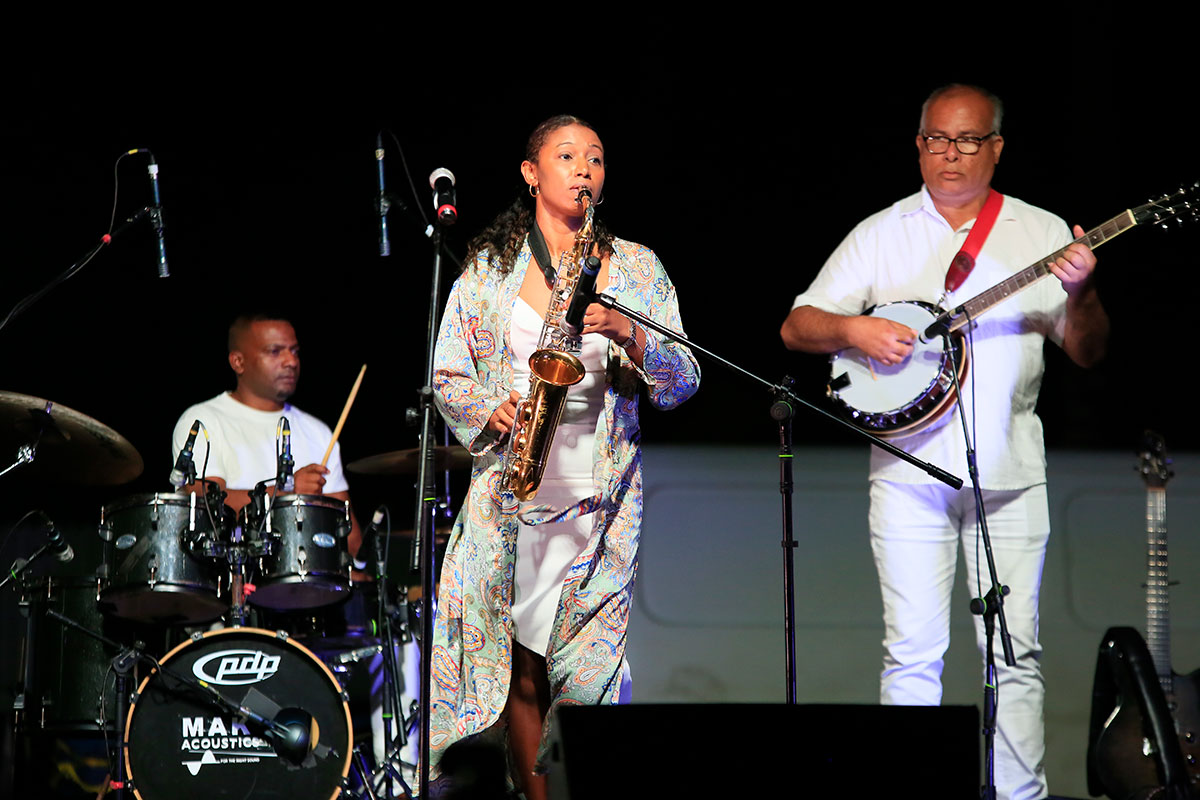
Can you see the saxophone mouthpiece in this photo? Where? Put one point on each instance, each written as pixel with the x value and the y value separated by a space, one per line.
pixel 582 194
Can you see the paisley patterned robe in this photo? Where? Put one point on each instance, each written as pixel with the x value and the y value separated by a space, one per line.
pixel 473 630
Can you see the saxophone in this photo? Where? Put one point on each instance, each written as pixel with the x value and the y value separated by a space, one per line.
pixel 553 368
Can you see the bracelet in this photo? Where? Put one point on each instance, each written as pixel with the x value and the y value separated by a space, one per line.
pixel 632 340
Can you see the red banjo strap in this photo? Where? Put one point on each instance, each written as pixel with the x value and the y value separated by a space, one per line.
pixel 964 259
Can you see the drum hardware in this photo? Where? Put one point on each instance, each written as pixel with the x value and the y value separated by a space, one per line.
pixel 61 444
pixel 55 544
pixel 441 534
pixel 364 774
pixel 354 656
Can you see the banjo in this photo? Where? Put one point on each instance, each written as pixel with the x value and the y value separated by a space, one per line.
pixel 897 400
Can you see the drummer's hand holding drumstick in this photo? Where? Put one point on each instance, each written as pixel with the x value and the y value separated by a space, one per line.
pixel 311 479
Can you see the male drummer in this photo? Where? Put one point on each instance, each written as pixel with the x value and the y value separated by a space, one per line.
pixel 242 424
pixel 902 254
pixel 264 354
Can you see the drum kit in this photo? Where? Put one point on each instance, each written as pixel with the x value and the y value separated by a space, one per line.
pixel 256 610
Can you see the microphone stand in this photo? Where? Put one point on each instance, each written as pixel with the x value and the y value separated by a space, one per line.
pixel 782 411
pixel 423 529
pixel 990 607
pixel 20 565
pixel 23 305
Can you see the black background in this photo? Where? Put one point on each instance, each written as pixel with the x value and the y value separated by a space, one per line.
pixel 741 154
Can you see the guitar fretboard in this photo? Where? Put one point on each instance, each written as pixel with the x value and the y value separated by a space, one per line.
pixel 1035 272
pixel 1158 617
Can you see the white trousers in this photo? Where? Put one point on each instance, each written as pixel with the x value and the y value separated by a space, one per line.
pixel 915 531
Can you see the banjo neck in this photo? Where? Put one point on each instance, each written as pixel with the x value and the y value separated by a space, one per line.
pixel 902 399
pixel 977 305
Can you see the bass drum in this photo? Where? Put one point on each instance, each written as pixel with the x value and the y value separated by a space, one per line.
pixel 180 746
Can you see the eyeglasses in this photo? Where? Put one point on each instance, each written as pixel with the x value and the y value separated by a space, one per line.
pixel 966 145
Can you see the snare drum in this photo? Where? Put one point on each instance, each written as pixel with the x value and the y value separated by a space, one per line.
pixel 183 747
pixel 306 563
pixel 154 566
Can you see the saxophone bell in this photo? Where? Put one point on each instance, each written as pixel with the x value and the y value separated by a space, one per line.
pixel 552 373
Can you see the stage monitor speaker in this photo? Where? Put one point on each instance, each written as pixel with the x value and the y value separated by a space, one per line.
pixel 741 750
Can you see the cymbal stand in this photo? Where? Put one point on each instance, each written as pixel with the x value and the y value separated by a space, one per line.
pixel 26 453
pixel 237 557
pixel 393 710
pixel 364 773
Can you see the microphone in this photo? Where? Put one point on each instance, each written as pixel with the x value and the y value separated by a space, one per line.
pixel 156 219
pixel 940 326
pixel 184 463
pixel 441 180
pixel 385 247
pixel 57 543
pixel 292 733
pixel 283 475
pixel 585 290
pixel 370 540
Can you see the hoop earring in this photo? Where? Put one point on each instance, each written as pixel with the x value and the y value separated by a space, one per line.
pixel 600 202
pixel 533 190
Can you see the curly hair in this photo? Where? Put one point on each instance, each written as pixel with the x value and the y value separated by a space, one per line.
pixel 503 238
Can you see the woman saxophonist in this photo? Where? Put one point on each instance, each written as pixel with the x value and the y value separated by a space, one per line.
pixel 534 598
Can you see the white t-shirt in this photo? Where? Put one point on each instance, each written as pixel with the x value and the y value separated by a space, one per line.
pixel 241 442
pixel 902 253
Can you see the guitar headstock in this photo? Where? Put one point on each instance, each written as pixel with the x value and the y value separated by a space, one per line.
pixel 1182 205
pixel 1154 464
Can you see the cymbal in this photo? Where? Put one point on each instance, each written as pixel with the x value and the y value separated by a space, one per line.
pixel 72 447
pixel 405 462
pixel 441 535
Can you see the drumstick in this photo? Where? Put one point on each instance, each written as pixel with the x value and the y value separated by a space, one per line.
pixel 337 431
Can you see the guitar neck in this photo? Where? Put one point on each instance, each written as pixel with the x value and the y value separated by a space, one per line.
pixel 980 303
pixel 1158 617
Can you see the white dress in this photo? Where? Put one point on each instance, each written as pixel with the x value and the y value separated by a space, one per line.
pixel 545 552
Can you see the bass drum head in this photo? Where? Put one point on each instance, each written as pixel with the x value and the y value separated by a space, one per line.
pixel 182 747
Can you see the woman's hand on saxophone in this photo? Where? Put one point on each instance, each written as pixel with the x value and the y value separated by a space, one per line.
pixel 502 418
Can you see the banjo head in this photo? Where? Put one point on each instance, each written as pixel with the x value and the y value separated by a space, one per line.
pixel 897 399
